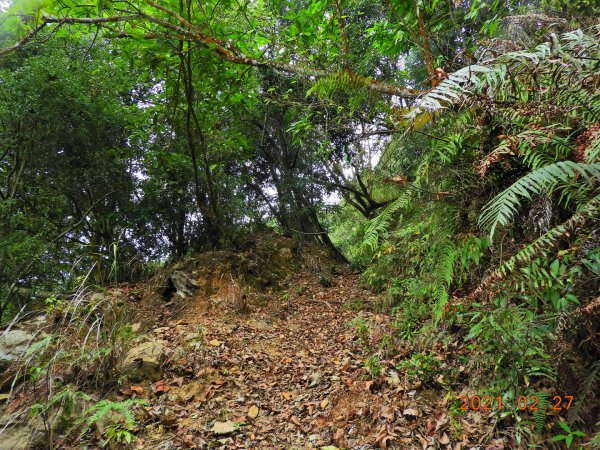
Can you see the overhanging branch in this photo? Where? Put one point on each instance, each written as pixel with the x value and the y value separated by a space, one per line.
pixel 224 50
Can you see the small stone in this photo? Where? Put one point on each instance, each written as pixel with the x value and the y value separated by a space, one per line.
pixel 146 359
pixel 314 437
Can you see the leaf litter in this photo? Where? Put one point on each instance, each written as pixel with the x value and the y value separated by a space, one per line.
pixel 290 375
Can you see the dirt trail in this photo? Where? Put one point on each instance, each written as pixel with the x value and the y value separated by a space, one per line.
pixel 283 370
pixel 290 374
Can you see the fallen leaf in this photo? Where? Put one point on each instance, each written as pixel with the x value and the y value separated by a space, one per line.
pixel 297 422
pixel 215 342
pixel 324 404
pixel 315 378
pixel 411 412
pixel 253 412
pixel 339 438
pixel 159 387
pixel 394 378
pixel 137 389
pixel 226 427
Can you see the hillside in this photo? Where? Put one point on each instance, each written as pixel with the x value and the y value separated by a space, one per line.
pixel 300 224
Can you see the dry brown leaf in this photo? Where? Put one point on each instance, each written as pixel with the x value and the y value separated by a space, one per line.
pixel 297 422
pixel 160 387
pixel 225 427
pixel 137 389
pixel 253 412
pixel 288 395
pixel 339 438
pixel 412 412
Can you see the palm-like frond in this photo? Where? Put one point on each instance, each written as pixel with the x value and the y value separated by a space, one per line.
pixel 501 209
pixel 377 225
pixel 590 211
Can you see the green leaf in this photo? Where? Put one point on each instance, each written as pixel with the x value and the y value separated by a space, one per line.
pixel 564 426
pixel 555 267
pixel 569 440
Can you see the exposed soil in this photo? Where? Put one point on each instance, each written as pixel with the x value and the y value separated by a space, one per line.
pixel 288 374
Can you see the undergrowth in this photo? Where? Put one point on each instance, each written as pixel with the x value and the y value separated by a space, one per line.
pixel 494 241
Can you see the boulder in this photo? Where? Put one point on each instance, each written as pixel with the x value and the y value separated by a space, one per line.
pixel 145 360
pixel 13 345
pixel 20 437
pixel 184 285
pixel 18 431
pixel 179 283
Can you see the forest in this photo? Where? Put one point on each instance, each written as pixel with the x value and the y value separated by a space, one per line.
pixel 299 224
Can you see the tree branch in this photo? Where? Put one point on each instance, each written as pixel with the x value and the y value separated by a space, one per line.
pixel 222 49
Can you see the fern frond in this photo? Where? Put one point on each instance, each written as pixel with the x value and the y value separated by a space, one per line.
pixel 589 386
pixel 587 213
pixel 540 415
pixel 501 209
pixel 378 225
pixel 575 52
pixel 326 86
pixel 592 153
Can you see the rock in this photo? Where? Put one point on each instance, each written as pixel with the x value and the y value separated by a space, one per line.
pixel 19 434
pixel 146 359
pixel 97 297
pixel 183 284
pixel 19 437
pixel 192 391
pixel 13 345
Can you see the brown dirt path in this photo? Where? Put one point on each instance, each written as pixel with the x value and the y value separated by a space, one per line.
pixel 287 375
pixel 281 369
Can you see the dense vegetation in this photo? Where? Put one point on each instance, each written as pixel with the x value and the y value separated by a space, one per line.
pixel 449 150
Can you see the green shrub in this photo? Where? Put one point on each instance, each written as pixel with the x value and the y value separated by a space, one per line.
pixel 423 367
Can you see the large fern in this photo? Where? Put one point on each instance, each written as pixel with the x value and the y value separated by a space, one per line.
pixel 109 411
pixel 574 53
pixel 379 224
pixel 589 212
pixel 501 209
